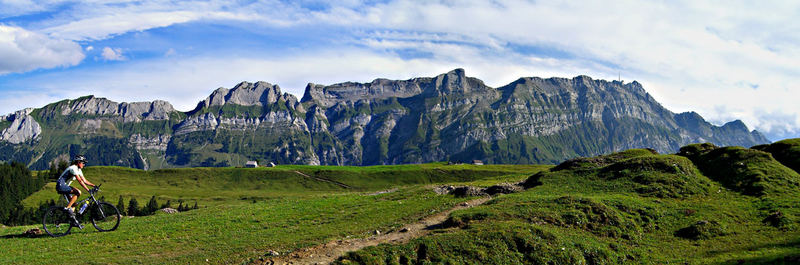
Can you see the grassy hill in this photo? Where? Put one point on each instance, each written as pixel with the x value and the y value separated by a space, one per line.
pixel 630 207
pixel 787 152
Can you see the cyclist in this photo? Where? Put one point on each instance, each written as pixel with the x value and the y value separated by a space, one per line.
pixel 63 184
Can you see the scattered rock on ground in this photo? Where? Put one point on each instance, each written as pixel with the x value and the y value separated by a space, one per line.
pixel 468 191
pixel 442 190
pixel 382 192
pixel 504 188
pixel 405 229
pixel 33 232
pixel 273 253
pixel 169 210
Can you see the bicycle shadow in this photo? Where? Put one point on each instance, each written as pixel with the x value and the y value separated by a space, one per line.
pixel 23 235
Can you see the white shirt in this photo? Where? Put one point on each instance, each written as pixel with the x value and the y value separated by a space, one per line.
pixel 73 170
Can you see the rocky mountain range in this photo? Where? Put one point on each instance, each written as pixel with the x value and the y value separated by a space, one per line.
pixel 449 117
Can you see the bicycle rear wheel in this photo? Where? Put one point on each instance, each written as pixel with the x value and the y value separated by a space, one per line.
pixel 105 217
pixel 56 221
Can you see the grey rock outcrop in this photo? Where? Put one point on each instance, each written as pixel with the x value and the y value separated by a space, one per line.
pixel 247 94
pixel 205 122
pixel 169 210
pixel 350 92
pixel 23 127
pixel 268 107
pixel 158 142
pixel 128 112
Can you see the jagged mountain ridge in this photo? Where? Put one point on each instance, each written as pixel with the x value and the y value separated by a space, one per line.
pixel 449 117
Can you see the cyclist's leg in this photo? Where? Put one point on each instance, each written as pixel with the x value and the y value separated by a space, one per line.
pixel 75 193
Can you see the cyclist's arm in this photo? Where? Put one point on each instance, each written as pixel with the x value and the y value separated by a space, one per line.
pixel 83 181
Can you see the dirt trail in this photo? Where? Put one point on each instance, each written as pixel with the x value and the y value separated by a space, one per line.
pixel 328 252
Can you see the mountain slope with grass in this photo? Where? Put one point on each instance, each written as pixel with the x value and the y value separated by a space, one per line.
pixel 448 117
pixel 631 207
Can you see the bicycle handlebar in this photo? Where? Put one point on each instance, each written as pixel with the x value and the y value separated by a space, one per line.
pixel 95 189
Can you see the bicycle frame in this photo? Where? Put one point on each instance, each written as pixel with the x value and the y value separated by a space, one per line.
pixel 91 203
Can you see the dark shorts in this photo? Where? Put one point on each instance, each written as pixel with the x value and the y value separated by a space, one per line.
pixel 63 189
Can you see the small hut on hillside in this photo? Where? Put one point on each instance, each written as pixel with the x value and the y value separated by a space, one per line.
pixel 251 164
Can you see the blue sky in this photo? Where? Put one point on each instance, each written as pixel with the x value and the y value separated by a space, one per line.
pixel 726 60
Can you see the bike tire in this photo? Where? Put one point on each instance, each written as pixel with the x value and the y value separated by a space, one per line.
pixel 56 221
pixel 105 217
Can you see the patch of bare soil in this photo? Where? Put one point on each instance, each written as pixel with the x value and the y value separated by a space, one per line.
pixel 328 252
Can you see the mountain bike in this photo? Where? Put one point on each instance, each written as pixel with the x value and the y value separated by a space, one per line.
pixel 104 216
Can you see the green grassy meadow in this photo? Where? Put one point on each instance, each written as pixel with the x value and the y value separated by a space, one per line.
pixel 246 212
pixel 227 186
pixel 703 205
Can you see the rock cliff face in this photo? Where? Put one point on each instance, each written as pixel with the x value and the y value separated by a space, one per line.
pixel 449 117
pixel 531 120
pixel 128 112
pixel 244 94
pixel 22 128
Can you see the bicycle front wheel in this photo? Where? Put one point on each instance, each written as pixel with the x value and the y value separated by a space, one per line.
pixel 105 217
pixel 56 221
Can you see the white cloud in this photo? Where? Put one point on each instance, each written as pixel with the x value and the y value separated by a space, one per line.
pixel 112 54
pixel 89 48
pixel 98 28
pixel 22 50
pixel 184 82
pixel 20 99
pixel 690 55
pixel 11 8
pixel 98 20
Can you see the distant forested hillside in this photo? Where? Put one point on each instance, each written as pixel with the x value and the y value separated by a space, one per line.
pixel 17 183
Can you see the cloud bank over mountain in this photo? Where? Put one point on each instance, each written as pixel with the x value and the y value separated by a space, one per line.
pixel 736 60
